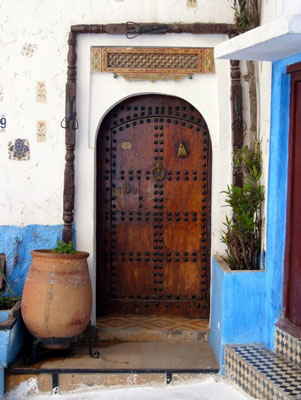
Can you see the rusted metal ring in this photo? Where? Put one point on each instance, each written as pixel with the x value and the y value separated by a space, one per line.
pixel 159 172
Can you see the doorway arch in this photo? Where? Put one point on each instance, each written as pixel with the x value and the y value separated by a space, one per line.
pixel 153 209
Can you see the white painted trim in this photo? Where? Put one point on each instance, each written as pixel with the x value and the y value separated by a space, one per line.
pixel 273 41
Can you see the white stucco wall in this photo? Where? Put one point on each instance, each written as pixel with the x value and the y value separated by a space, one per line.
pixel 264 79
pixel 267 11
pixel 273 9
pixel 287 7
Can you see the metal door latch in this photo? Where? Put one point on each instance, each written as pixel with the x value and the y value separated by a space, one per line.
pixel 126 188
pixel 168 377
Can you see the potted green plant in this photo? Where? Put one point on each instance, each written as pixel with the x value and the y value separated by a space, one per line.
pixel 242 234
pixel 237 312
pixel 57 295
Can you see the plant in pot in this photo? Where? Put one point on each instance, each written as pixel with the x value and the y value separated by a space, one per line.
pixel 57 295
pixel 7 301
pixel 242 233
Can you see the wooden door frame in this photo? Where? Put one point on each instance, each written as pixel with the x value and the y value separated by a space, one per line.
pixel 295 74
pixel 99 172
pixel 70 124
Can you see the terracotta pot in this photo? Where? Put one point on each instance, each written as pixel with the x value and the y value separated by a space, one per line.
pixel 57 296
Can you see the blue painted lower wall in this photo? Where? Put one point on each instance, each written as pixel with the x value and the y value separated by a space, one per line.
pixel 16 243
pixel 237 309
pixel 277 193
pixel 1 382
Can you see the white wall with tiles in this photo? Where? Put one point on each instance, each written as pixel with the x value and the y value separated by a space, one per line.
pixel 32 92
pixel 33 44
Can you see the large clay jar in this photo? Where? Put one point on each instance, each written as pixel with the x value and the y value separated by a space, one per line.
pixel 57 296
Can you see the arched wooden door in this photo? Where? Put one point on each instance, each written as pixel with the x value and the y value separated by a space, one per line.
pixel 153 209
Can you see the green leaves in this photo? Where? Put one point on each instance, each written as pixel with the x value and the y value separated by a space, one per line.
pixel 64 248
pixel 7 302
pixel 242 233
pixel 246 14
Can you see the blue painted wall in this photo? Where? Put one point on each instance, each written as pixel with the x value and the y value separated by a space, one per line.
pixel 246 305
pixel 237 310
pixel 1 382
pixel 244 314
pixel 11 342
pixel 16 243
pixel 277 192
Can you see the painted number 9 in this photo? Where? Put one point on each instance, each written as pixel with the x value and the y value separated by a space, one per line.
pixel 2 122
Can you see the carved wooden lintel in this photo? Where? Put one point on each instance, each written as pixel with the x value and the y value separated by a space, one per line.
pixel 122 29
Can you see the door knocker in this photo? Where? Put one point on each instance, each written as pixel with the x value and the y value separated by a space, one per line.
pixel 182 152
pixel 159 171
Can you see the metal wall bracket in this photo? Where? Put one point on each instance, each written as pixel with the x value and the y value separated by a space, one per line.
pixel 168 377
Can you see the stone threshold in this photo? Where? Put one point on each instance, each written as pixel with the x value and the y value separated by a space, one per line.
pixel 120 363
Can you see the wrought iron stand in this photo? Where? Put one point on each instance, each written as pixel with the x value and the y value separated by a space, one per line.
pixel 41 347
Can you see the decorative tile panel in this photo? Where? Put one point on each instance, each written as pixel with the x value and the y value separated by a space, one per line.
pixel 192 3
pixel 19 150
pixel 288 347
pixel 29 49
pixel 262 373
pixel 41 131
pixel 153 323
pixel 41 92
pixel 164 62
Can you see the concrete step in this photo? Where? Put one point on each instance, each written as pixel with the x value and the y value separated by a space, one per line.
pixel 119 364
pixel 262 373
pixel 152 328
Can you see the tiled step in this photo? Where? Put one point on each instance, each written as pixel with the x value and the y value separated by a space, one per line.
pixel 263 374
pixel 151 328
pixel 288 346
pixel 120 363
